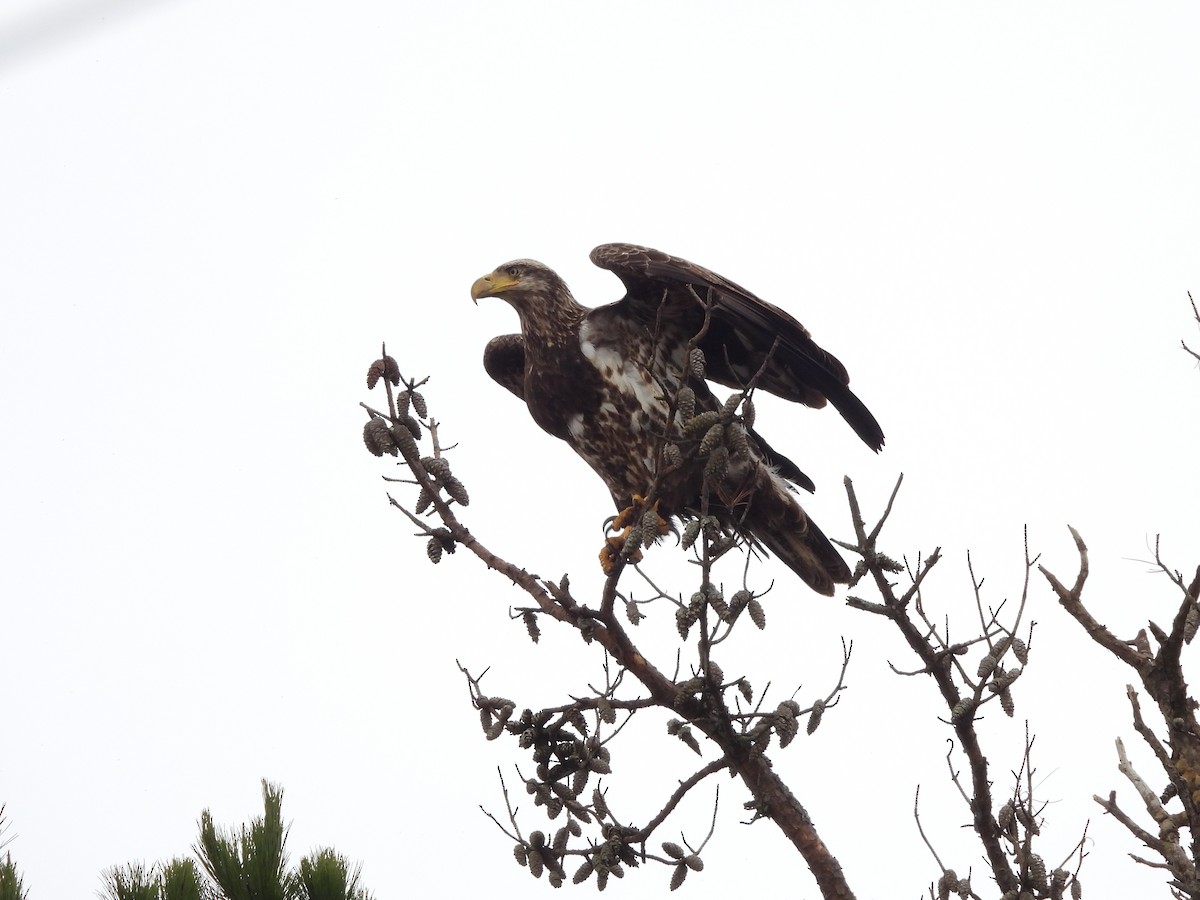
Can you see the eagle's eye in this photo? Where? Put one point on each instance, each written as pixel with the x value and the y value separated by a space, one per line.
pixel 512 271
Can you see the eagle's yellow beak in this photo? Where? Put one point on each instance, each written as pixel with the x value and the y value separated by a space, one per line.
pixel 491 285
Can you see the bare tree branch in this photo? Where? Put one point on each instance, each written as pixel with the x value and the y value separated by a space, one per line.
pixel 567 749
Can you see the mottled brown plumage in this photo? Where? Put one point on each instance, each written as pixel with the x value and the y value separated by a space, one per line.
pixel 603 379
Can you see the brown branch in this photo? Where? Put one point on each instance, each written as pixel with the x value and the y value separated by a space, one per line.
pixel 1162 676
pixel 704 710
pixel 772 796
pixel 1168 654
pixel 1109 805
pixel 1071 600
pixel 933 660
pixel 1166 844
pixel 643 833
pixel 921 829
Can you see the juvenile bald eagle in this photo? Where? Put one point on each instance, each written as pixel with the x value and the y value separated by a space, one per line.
pixel 603 380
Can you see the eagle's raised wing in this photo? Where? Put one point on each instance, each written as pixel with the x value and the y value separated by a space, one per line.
pixel 666 291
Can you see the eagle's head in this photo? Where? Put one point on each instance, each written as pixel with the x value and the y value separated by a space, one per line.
pixel 520 282
pixel 540 297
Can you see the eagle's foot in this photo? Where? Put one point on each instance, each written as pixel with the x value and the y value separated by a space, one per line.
pixel 613 549
pixel 628 515
pixel 636 512
pixel 649 525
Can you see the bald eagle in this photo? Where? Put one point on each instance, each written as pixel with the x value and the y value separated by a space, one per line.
pixel 604 380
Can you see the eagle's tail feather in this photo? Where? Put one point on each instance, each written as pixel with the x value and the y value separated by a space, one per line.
pixel 810 555
pixel 776 521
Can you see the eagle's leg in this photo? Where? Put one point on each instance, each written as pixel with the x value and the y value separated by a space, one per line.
pixel 615 545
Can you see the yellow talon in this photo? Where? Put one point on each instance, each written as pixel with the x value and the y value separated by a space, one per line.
pixel 612 549
pixel 624 520
pixel 629 514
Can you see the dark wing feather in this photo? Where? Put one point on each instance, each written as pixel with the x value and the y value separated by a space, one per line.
pixel 504 360
pixel 782 464
pixel 664 291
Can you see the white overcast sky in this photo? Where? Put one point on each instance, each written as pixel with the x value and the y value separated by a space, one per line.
pixel 212 213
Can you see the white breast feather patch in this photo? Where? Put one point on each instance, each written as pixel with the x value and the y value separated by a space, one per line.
pixel 624 374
